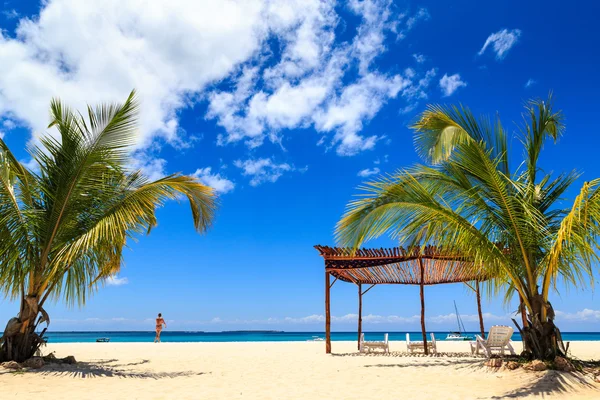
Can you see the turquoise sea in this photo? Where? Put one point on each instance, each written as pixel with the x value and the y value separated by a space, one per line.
pixel 166 336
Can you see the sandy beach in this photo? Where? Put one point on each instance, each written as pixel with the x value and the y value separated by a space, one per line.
pixel 285 370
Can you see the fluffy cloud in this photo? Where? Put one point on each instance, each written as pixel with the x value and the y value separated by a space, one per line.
pixel 116 281
pixel 501 42
pixel 579 316
pixel 216 181
pixel 180 52
pixel 368 172
pixel 152 167
pixel 262 170
pixel 449 84
pixel 313 87
pixel 167 50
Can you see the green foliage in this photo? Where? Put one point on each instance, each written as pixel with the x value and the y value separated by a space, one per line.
pixel 63 226
pixel 469 201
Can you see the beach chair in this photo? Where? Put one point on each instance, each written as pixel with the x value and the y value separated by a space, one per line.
pixel 411 346
pixel 372 345
pixel 498 339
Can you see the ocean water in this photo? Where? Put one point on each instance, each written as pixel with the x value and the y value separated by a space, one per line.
pixel 167 336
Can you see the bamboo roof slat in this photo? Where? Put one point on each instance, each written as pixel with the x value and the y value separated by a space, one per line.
pixel 398 265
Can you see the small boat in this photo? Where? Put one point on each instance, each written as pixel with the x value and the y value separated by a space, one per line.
pixel 316 339
pixel 457 336
pixel 103 340
pixel 460 334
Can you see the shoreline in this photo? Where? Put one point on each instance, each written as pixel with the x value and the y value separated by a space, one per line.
pixel 584 350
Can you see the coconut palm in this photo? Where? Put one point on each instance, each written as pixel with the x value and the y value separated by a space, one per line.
pixel 467 198
pixel 63 225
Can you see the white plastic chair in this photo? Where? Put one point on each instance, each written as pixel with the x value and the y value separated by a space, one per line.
pixel 411 346
pixel 368 346
pixel 498 339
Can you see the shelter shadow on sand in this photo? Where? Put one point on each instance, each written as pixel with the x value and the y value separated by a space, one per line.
pixel 424 363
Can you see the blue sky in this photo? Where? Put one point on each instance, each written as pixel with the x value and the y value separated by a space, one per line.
pixel 285 107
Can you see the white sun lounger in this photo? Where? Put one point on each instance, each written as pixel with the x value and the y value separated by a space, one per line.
pixel 498 339
pixel 368 346
pixel 411 346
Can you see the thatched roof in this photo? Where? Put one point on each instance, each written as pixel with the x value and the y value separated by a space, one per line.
pixel 397 265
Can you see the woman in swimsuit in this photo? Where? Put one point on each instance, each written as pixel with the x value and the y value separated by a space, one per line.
pixel 159 327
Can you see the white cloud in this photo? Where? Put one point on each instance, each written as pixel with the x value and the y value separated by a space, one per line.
pixel 168 52
pixel 153 168
pixel 379 161
pixel 262 170
pixel 10 14
pixel 116 281
pixel 368 172
pixel 584 315
pixel 501 41
pixel 300 92
pixel 530 82
pixel 449 84
pixel 216 181
pixel 303 320
pixel 421 15
pixel 370 319
pixel 174 52
pixel 357 103
pixel 420 58
pixel 418 90
pixel 408 108
pixel 9 124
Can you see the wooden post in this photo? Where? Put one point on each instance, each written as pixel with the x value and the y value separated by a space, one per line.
pixel 425 350
pixel 359 313
pixel 327 315
pixel 481 327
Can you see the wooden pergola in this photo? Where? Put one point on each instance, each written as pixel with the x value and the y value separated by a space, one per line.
pixel 423 266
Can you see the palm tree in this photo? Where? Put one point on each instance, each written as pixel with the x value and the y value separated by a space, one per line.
pixel 469 199
pixel 63 227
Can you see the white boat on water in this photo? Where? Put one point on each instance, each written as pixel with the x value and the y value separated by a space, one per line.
pixel 460 335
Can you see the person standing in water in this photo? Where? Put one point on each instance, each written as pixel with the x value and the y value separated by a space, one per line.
pixel 159 327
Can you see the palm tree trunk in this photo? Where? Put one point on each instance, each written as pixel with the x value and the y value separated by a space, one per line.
pixel 19 341
pixel 541 338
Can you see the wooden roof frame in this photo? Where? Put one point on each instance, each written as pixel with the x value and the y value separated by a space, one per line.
pixel 423 266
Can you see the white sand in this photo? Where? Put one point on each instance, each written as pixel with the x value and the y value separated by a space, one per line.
pixel 285 370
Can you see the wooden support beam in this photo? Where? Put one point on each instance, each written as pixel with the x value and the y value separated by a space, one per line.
pixel 422 292
pixel 330 286
pixel 478 293
pixel 370 287
pixel 327 315
pixel 360 294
